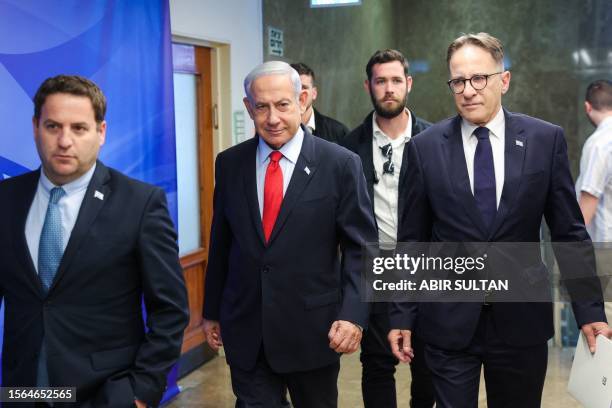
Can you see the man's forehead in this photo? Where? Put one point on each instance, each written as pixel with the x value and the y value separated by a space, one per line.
pixel 471 57
pixel 391 68
pixel 67 108
pixel 306 79
pixel 64 101
pixel 272 86
pixel 272 81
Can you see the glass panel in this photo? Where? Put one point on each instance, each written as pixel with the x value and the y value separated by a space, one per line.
pixel 188 185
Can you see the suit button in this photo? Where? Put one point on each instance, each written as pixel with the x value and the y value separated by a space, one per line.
pixel 265 269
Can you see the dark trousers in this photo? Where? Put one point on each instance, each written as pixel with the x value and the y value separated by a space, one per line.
pixel 514 376
pixel 377 380
pixel 261 387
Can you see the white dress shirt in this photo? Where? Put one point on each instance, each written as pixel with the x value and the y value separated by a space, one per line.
pixel 291 152
pixel 497 136
pixel 386 190
pixel 311 122
pixel 69 206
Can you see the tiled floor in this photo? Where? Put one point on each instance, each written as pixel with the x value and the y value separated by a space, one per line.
pixel 210 386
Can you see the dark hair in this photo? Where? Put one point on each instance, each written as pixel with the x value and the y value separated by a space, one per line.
pixel 303 69
pixel 483 40
pixel 73 85
pixel 383 56
pixel 599 94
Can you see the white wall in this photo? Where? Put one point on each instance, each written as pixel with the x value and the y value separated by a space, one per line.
pixel 237 23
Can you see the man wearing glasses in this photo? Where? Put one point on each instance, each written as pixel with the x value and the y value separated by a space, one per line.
pixel 487 175
pixel 380 142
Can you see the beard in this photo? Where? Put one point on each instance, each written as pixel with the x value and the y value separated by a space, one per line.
pixel 391 112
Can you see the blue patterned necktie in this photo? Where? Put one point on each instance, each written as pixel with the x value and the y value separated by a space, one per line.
pixel 51 247
pixel 484 177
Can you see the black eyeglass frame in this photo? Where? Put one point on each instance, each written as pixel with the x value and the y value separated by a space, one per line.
pixel 464 80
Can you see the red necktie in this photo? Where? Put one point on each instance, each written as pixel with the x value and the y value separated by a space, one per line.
pixel 273 193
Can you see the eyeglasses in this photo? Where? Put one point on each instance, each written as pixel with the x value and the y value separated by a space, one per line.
pixel 387 151
pixel 478 82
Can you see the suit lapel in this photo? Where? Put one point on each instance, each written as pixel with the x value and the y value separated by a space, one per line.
pixel 90 208
pixel 514 155
pixel 318 130
pixel 458 173
pixel 299 180
pixel 364 150
pixel 250 187
pixel 414 131
pixel 367 161
pixel 22 204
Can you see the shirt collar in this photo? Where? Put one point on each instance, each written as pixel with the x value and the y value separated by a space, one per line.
pixel 495 126
pixel 290 150
pixel 382 139
pixel 311 121
pixel 605 123
pixel 70 188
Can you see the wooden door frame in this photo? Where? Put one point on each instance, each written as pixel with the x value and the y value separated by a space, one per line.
pixel 194 264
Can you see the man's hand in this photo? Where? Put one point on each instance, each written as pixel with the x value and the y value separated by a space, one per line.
pixel 344 337
pixel 400 341
pixel 591 330
pixel 140 404
pixel 213 334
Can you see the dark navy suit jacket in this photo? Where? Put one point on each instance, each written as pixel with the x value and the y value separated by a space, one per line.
pixel 122 248
pixel 286 294
pixel 439 206
pixel 328 128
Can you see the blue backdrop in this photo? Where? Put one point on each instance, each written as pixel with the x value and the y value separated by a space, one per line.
pixel 123 46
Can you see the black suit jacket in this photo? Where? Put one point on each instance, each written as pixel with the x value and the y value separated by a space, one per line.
pixel 328 128
pixel 286 294
pixel 122 248
pixel 439 206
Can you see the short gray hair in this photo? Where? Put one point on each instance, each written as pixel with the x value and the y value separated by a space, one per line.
pixel 483 40
pixel 273 68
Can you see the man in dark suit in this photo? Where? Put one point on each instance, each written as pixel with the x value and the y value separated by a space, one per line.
pixel 487 175
pixel 317 123
pixel 380 142
pixel 81 246
pixel 277 296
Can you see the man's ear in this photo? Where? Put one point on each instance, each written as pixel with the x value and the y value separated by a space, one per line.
pixel 408 83
pixel 505 77
pixel 35 127
pixel 302 98
pixel 314 93
pixel 247 104
pixel 366 86
pixel 102 132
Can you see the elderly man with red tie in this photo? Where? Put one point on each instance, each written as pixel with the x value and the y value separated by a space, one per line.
pixel 277 295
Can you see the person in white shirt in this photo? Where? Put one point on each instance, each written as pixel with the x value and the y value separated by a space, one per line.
pixel 380 142
pixel 594 185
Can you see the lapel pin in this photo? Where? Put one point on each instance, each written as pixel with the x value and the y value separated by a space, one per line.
pixel 519 143
pixel 99 195
pixel 307 170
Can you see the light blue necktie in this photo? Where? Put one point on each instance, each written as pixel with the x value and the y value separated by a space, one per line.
pixel 51 247
pixel 50 252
